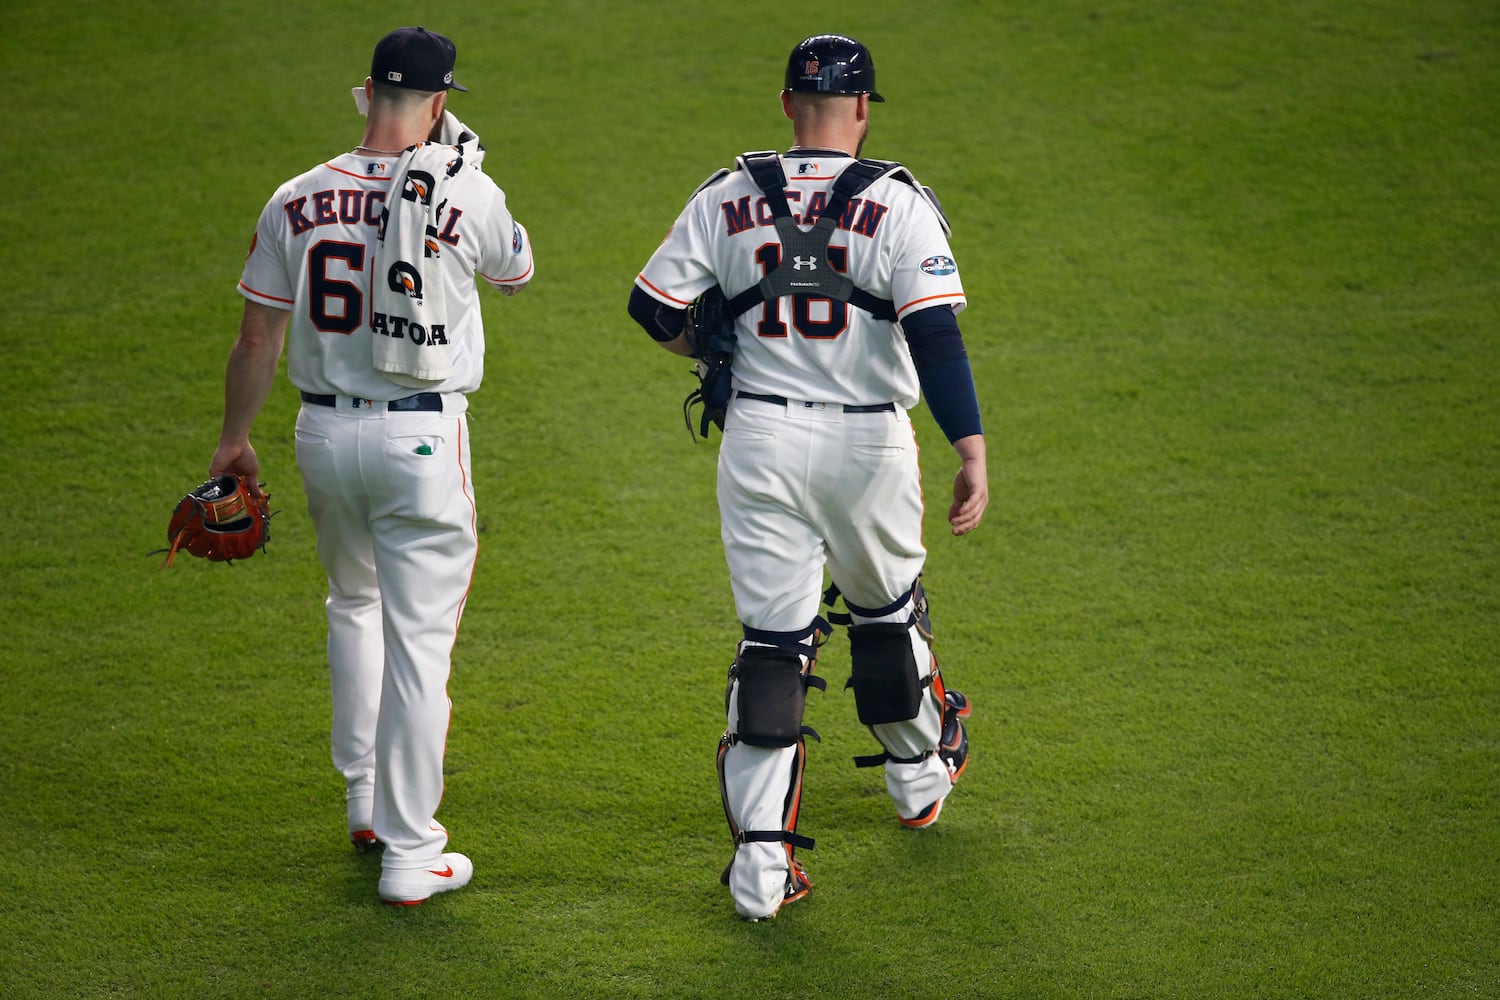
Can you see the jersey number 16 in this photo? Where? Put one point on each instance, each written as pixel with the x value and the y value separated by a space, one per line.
pixel 806 309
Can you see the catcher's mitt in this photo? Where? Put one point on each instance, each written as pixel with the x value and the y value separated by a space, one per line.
pixel 713 354
pixel 225 518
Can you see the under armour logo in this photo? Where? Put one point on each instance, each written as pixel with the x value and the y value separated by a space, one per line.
pixel 804 263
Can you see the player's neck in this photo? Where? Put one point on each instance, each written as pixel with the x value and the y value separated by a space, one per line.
pixel 839 140
pixel 392 134
pixel 388 142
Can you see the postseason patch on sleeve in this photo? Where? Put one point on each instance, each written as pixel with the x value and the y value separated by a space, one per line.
pixel 938 266
pixel 517 241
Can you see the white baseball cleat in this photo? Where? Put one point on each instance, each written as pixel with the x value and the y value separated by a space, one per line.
pixel 408 887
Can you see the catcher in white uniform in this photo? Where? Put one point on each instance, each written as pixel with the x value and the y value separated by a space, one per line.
pixel 370 260
pixel 839 295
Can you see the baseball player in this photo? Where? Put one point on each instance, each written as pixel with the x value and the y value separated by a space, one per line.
pixel 844 295
pixel 364 268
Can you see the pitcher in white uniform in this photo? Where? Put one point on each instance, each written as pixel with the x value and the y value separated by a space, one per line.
pixel 364 269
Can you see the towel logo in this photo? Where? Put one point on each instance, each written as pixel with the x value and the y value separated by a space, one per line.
pixel 401 328
pixel 402 277
pixel 418 186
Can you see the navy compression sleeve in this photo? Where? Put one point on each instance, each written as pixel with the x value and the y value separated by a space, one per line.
pixel 663 322
pixel 937 350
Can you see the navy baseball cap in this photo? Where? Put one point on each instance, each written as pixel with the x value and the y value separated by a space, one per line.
pixel 416 59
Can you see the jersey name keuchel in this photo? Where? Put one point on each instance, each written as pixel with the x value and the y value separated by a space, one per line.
pixel 861 215
pixel 351 207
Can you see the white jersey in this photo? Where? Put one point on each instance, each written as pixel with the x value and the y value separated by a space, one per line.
pixel 806 347
pixel 315 242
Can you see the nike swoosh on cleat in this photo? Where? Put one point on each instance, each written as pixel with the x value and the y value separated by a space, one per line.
pixel 447 872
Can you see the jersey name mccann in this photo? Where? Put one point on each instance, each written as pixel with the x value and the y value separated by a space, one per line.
pixel 862 215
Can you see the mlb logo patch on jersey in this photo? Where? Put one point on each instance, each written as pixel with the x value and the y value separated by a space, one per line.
pixel 938 266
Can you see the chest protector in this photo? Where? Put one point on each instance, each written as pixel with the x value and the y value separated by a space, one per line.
pixel 804 268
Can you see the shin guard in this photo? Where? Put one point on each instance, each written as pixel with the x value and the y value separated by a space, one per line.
pixel 762 792
pixel 760 764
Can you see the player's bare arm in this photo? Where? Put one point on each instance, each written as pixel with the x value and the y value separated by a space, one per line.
pixel 971 487
pixel 250 374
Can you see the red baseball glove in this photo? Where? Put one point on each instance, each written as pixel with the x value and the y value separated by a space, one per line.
pixel 226 518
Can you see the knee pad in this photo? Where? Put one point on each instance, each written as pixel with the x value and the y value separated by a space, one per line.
pixel 772 695
pixel 886 678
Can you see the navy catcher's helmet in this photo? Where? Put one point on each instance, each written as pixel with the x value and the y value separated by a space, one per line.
pixel 831 64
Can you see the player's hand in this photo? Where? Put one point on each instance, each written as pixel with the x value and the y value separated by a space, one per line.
pixel 236 458
pixel 971 495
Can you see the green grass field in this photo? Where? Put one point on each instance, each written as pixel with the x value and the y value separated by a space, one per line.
pixel 1232 625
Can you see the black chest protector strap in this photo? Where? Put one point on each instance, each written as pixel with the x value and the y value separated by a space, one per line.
pixel 804 267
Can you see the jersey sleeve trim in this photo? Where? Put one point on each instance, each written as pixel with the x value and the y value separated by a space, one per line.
pixel 680 303
pixel 270 300
pixel 930 300
pixel 502 282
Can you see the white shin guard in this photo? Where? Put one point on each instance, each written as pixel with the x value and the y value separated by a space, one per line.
pixel 762 790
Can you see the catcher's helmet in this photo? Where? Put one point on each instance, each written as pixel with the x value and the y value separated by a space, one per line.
pixel 831 64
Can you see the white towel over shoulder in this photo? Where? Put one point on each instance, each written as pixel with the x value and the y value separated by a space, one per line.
pixel 409 315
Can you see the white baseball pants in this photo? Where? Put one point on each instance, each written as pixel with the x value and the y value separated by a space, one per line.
pixel 392 501
pixel 800 487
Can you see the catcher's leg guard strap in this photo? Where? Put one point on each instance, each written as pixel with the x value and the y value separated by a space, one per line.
pixel 915 596
pixel 771 696
pixel 887 681
pixel 876 759
pixel 805 641
pixel 775 837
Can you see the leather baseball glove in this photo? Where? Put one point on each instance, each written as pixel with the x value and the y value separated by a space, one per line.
pixel 225 518
pixel 713 356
